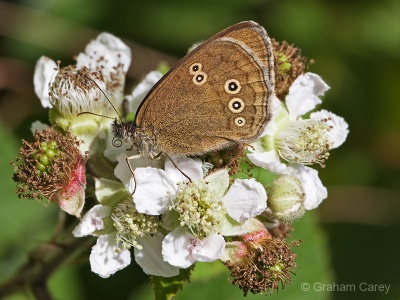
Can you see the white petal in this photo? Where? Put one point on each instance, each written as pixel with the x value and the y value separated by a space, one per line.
pixel 104 260
pixel 92 221
pixel 245 199
pixel 257 146
pixel 192 167
pixel 153 192
pixel 111 152
pixel 314 190
pixel 106 51
pixel 45 71
pixel 268 160
pixel 150 258
pixel 122 171
pixel 208 249
pixel 37 125
pixel 218 183
pixel 176 248
pixel 340 129
pixel 303 94
pixel 142 89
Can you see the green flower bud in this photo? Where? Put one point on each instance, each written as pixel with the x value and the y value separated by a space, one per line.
pixel 50 153
pixel 43 146
pixel 44 159
pixel 41 167
pixel 53 145
pixel 286 199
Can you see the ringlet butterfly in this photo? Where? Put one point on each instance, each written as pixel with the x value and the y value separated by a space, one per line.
pixel 219 94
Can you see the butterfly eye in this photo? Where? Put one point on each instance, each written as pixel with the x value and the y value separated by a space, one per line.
pixel 232 86
pixel 195 68
pixel 239 121
pixel 236 105
pixel 200 78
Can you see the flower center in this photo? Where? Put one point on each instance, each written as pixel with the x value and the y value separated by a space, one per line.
pixel 74 91
pixel 198 208
pixel 130 224
pixel 49 165
pixel 304 141
pixel 44 156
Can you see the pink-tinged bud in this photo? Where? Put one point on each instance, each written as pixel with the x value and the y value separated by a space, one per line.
pixel 256 236
pixel 52 168
pixel 260 263
pixel 72 197
pixel 234 252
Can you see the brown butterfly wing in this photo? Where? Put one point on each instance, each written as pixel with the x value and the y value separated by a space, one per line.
pixel 217 94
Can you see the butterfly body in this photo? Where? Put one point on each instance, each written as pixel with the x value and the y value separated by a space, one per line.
pixel 219 94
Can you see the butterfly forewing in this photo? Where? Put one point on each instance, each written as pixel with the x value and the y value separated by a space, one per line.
pixel 218 94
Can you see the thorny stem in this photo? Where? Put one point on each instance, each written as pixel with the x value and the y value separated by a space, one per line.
pixel 49 256
pixel 42 262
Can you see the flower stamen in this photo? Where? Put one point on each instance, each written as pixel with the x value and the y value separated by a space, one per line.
pixel 267 265
pixel 130 224
pixel 198 208
pixel 74 91
pixel 305 142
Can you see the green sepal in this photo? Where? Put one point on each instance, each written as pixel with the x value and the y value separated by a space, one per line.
pixel 57 119
pixel 110 192
pixel 166 288
pixel 262 175
pixel 108 227
pixel 85 130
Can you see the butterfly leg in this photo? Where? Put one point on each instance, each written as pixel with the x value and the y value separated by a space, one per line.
pixel 136 156
pixel 175 165
pixel 249 146
pixel 131 169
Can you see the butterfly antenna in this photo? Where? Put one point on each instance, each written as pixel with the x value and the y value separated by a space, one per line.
pixel 109 101
pixel 91 113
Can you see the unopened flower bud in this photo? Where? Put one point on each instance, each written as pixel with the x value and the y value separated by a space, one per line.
pixel 286 199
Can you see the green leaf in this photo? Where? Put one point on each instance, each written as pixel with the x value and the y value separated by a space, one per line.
pixel 167 288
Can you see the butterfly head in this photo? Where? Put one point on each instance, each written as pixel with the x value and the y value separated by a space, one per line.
pixel 127 131
pixel 123 131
